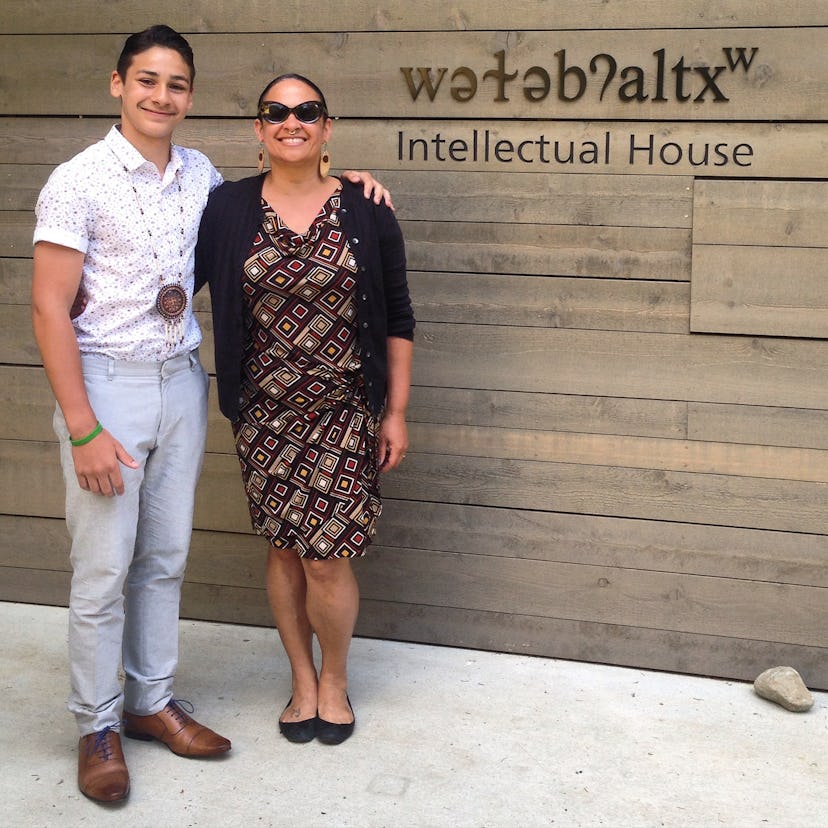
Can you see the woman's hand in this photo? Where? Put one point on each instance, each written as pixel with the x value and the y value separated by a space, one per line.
pixel 371 187
pixel 393 441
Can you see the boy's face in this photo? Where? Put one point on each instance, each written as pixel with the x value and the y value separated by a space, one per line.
pixel 155 96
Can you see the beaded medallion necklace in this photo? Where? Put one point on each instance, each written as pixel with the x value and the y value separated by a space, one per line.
pixel 171 301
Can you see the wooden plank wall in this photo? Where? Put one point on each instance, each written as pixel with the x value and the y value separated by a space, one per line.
pixel 619 451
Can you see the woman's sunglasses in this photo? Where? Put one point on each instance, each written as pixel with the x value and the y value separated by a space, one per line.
pixel 308 112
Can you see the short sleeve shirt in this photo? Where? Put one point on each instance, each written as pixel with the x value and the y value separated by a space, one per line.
pixel 137 230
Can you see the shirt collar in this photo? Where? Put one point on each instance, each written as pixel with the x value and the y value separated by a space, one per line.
pixel 132 160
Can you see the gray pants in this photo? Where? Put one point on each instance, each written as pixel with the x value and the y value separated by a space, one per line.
pixel 129 552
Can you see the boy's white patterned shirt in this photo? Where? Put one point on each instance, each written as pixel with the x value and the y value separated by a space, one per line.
pixel 89 204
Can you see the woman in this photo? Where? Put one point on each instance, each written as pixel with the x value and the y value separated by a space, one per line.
pixel 313 337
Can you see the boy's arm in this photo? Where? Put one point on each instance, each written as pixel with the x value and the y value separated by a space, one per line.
pixel 55 283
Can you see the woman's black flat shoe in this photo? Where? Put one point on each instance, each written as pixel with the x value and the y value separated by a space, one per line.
pixel 330 733
pixel 298 732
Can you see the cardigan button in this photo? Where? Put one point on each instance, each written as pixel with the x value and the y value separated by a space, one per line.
pixel 354 240
pixel 364 297
pixel 364 324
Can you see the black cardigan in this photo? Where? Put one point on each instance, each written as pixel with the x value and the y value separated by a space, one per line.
pixel 225 238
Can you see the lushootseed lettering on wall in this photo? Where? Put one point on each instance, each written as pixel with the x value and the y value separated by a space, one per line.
pixel 666 79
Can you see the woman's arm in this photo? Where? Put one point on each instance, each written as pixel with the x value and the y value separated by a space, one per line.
pixel 393 433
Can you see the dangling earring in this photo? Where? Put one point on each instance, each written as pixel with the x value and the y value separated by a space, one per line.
pixel 324 161
pixel 261 158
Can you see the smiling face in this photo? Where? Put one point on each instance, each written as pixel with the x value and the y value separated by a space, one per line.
pixel 156 95
pixel 292 142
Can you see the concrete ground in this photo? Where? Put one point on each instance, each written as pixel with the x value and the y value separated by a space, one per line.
pixel 444 737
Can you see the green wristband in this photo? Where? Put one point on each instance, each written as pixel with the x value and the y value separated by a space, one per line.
pixel 82 441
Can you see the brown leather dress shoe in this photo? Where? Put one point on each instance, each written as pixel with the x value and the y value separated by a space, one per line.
pixel 102 771
pixel 180 733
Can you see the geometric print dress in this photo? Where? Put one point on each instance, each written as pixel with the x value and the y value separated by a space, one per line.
pixel 305 438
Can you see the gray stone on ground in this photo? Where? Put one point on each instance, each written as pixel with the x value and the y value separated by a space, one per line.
pixel 784 686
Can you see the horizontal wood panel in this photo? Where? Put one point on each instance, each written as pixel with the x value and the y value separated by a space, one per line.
pixel 659 545
pixel 21 16
pixel 15 281
pixel 361 72
pixel 34 586
pixel 238 559
pixel 17 342
pixel 630 598
pixel 560 250
pixel 538 198
pixel 650 494
pixel 599 304
pixel 533 198
pixel 20 184
pixel 554 637
pixel 27 406
pixel 767 213
pixel 577 640
pixel 793 150
pixel 764 291
pixel 30 484
pixel 601 643
pixel 771 462
pixel 671 419
pixel 623 596
pixel 757 371
pixel 16 229
pixel 763 425
pixel 554 412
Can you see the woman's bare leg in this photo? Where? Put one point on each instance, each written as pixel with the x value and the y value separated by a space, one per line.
pixel 332 608
pixel 287 595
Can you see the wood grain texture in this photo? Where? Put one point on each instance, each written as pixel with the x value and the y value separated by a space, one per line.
pixel 759 252
pixel 237 558
pixel 763 425
pixel 721 369
pixel 561 250
pixel 386 581
pixel 588 477
pixel 46 16
pixel 31 484
pixel 762 291
pixel 740 659
pixel 766 213
pixel 551 302
pixel 588 641
pixel 786 149
pixel 362 72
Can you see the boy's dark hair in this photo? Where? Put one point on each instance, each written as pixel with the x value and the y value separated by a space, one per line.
pixel 158 35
